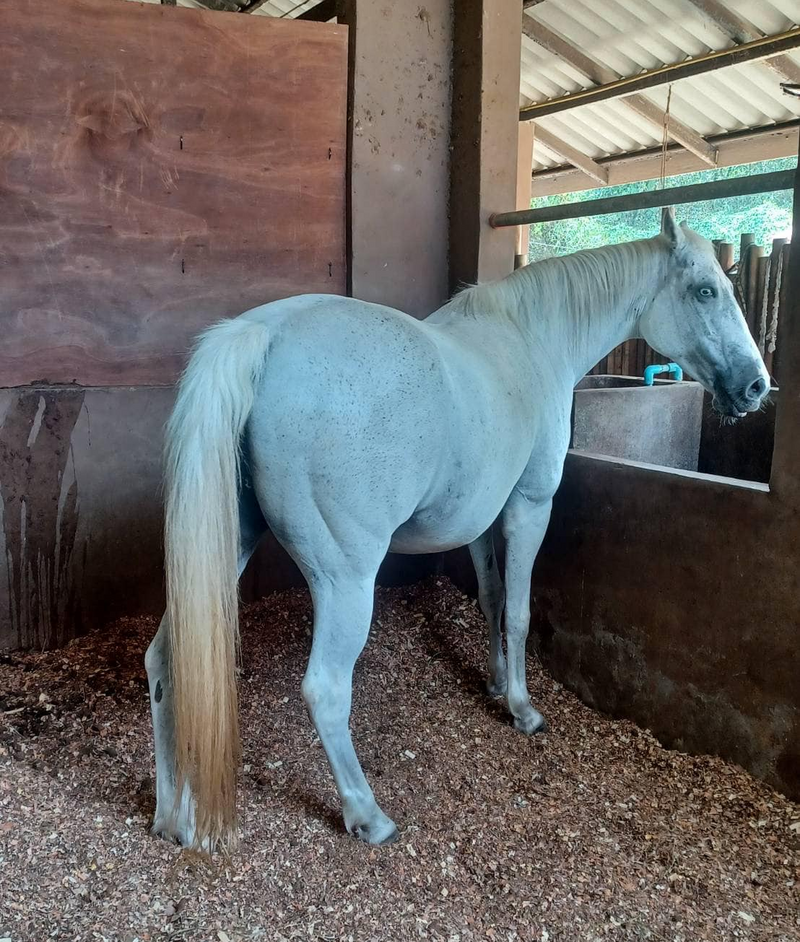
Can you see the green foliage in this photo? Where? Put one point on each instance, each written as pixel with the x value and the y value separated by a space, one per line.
pixel 768 215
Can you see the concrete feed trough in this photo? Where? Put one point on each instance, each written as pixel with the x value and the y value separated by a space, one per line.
pixel 621 417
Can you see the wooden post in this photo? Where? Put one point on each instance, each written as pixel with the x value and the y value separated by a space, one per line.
pixel 785 481
pixel 745 241
pixel 524 169
pixel 772 301
pixel 759 314
pixel 783 308
pixel 725 256
pixel 751 259
pixel 487 40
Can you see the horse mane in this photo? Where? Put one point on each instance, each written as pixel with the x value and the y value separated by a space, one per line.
pixel 586 281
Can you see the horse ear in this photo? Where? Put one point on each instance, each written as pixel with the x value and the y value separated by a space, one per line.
pixel 670 228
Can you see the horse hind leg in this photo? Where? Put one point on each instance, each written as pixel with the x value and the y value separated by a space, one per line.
pixel 342 616
pixel 491 594
pixel 173 818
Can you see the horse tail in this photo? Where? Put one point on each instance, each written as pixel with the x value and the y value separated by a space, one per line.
pixel 203 440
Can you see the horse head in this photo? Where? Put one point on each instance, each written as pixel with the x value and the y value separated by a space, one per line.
pixel 696 321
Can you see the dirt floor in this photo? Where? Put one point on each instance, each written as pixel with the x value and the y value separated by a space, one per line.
pixel 592 831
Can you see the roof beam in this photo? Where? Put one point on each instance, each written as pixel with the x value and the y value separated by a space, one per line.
pixel 728 21
pixel 671 196
pixel 755 51
pixel 740 30
pixel 572 155
pixel 602 75
pixel 677 130
pixel 741 147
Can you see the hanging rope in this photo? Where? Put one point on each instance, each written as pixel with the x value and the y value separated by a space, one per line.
pixel 665 137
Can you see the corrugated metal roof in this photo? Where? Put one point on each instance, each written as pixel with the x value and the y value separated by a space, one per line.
pixel 631 36
pixel 287 8
pixel 277 8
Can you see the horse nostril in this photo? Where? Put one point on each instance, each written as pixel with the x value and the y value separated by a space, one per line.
pixel 757 388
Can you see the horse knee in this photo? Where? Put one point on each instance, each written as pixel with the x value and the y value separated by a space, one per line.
pixel 327 698
pixel 518 622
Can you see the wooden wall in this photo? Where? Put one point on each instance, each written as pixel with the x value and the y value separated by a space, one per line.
pixel 160 168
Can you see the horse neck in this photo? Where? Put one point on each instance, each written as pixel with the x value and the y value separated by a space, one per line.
pixel 575 309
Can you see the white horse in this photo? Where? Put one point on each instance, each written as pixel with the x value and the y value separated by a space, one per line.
pixel 350 429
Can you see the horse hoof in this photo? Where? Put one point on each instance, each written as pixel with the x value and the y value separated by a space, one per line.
pixel 169 831
pixel 180 833
pixel 496 690
pixel 532 724
pixel 391 838
pixel 378 833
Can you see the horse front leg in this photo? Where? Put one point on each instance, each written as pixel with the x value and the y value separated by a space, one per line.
pixel 492 599
pixel 524 525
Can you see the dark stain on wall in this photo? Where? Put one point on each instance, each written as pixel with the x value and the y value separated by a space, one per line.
pixel 40 513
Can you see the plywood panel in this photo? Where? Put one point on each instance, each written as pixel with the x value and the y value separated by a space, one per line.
pixel 159 168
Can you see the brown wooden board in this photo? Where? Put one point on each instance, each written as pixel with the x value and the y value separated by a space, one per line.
pixel 159 168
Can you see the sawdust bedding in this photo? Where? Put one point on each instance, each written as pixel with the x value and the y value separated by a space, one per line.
pixel 592 831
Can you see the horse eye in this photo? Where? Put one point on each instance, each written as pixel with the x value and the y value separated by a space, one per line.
pixel 706 292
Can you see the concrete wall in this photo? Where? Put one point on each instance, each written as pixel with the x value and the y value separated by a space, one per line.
pixel 673 601
pixel 400 151
pixel 80 472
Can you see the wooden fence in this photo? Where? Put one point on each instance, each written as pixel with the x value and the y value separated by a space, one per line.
pixel 759 284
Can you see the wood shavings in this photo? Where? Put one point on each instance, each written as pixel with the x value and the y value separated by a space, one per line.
pixel 591 832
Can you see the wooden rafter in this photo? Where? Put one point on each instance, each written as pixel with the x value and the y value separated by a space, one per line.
pixel 756 51
pixel 740 147
pixel 572 155
pixel 740 30
pixel 602 75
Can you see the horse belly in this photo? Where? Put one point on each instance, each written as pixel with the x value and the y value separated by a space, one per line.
pixel 455 519
pixel 415 537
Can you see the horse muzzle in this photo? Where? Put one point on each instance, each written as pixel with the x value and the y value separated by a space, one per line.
pixel 742 399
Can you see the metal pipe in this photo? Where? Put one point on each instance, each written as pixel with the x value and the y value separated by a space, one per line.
pixel 744 52
pixel 671 196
